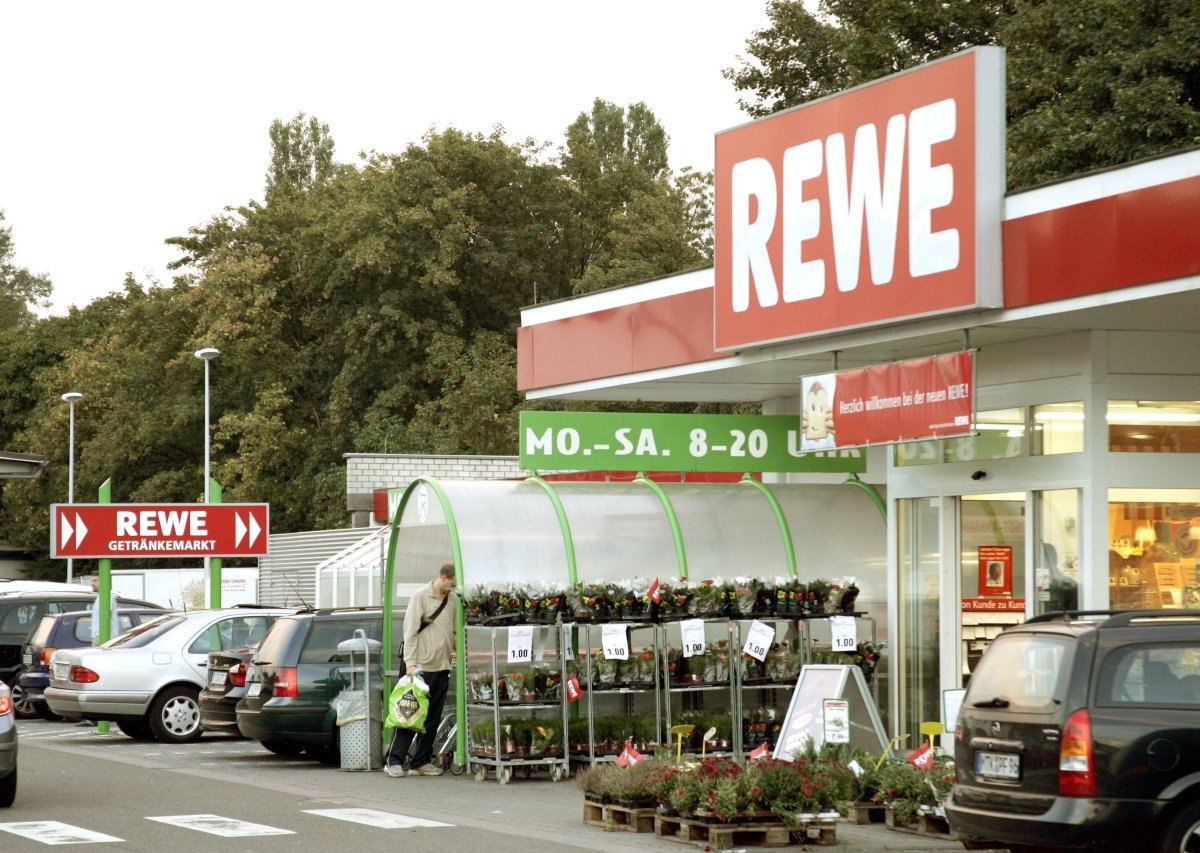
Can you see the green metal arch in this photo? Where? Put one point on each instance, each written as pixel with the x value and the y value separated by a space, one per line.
pixel 789 546
pixel 389 586
pixel 563 523
pixel 872 493
pixel 672 520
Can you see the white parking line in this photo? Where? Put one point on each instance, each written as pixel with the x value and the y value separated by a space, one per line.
pixel 371 817
pixel 54 832
pixel 226 827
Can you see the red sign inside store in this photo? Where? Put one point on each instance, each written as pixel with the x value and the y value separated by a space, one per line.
pixel 995 570
pixel 993 605
pixel 159 530
pixel 901 401
pixel 880 203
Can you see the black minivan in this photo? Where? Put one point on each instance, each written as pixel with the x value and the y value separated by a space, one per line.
pixel 1081 730
pixel 297 673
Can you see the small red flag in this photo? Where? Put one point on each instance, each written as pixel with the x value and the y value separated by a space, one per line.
pixel 629 756
pixel 655 594
pixel 759 751
pixel 922 757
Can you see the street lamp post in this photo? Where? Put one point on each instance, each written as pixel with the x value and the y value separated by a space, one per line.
pixel 71 398
pixel 206 355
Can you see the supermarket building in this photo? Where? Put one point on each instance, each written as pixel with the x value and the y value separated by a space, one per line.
pixel 871 230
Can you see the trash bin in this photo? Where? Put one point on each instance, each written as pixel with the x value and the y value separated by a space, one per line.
pixel 360 705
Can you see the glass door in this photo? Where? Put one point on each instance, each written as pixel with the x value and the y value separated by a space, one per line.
pixel 991 569
pixel 919 659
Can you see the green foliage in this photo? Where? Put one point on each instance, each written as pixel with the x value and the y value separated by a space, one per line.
pixel 20 290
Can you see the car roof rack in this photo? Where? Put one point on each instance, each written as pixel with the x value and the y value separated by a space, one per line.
pixel 1127 617
pixel 366 609
pixel 1071 615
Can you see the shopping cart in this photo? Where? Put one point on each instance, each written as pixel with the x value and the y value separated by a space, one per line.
pixel 444 744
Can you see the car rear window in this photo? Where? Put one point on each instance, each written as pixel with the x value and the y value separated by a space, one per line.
pixel 274 645
pixel 1026 672
pixel 324 637
pixel 41 634
pixel 1150 674
pixel 83 627
pixel 143 635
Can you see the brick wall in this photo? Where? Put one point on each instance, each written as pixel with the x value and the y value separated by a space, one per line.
pixel 366 472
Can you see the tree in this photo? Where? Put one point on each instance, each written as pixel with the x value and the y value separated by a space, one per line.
pixel 301 155
pixel 20 290
pixel 1091 83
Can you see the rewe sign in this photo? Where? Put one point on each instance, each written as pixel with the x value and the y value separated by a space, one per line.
pixel 880 203
pixel 159 530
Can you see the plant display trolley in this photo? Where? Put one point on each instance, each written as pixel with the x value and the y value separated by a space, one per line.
pixel 518 682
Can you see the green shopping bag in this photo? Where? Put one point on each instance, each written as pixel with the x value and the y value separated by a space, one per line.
pixel 409 704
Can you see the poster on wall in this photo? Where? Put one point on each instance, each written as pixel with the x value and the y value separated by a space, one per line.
pixel 901 401
pixel 995 570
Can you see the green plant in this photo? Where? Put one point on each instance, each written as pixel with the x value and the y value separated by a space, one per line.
pixel 906 788
pixel 483 737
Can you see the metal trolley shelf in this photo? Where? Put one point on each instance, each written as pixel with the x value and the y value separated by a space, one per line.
pixel 502 763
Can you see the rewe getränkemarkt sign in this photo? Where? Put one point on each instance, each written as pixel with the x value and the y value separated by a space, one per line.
pixel 609 441
pixel 159 530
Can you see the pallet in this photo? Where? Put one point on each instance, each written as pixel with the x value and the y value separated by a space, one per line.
pixel 724 836
pixel 609 816
pixel 928 825
pixel 864 813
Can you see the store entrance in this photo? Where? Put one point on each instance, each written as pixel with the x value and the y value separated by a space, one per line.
pixel 991 571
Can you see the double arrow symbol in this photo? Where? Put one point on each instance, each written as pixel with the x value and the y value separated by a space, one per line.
pixel 80 530
pixel 241 529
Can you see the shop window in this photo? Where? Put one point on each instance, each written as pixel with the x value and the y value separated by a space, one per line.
pixel 1058 428
pixel 1154 426
pixel 1153 544
pixel 1056 550
pixel 999 434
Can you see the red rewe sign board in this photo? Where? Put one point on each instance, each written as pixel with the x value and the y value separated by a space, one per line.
pixel 880 203
pixel 159 530
pixel 901 401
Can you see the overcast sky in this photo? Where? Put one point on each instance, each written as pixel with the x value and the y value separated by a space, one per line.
pixel 129 122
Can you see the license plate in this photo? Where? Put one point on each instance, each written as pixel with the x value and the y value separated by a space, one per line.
pixel 217 679
pixel 27 659
pixel 998 765
pixel 254 688
pixel 62 671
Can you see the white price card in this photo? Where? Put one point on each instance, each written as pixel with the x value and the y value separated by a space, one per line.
pixel 520 643
pixel 693 637
pixel 758 640
pixel 616 642
pixel 845 635
pixel 568 652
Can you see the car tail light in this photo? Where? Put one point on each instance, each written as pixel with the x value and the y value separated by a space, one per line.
pixel 83 675
pixel 46 653
pixel 5 701
pixel 237 674
pixel 1076 758
pixel 285 683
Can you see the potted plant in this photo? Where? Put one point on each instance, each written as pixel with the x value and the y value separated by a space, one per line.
pixel 480 686
pixel 514 683
pixel 705 599
pixel 483 738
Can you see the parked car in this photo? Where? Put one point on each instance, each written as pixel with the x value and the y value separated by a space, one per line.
pixel 22 605
pixel 297 673
pixel 225 688
pixel 1080 730
pixel 148 680
pixel 8 748
pixel 65 631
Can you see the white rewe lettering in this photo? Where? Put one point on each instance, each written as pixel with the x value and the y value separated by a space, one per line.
pixel 865 196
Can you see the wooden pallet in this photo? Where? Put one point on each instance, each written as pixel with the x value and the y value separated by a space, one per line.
pixel 724 836
pixel 609 816
pixel 863 813
pixel 933 826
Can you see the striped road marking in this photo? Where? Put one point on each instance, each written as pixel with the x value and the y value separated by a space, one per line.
pixel 53 832
pixel 226 827
pixel 371 817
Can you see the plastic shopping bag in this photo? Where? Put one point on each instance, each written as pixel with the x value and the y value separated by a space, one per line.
pixel 409 704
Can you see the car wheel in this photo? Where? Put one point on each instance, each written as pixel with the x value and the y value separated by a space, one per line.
pixel 1183 834
pixel 175 715
pixel 136 729
pixel 282 747
pixel 43 711
pixel 8 789
pixel 23 706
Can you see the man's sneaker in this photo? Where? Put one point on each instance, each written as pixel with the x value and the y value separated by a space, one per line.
pixel 427 770
pixel 395 770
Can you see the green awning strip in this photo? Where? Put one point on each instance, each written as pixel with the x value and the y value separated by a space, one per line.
pixel 672 520
pixel 789 547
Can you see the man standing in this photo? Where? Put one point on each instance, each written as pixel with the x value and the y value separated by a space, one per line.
pixel 428 649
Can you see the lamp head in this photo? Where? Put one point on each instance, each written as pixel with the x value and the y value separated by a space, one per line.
pixel 207 354
pixel 72 397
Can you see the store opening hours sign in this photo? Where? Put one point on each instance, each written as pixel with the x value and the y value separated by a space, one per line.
pixel 159 530
pixel 902 401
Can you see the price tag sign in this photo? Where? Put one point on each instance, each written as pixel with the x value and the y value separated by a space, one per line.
pixel 568 652
pixel 616 642
pixel 693 637
pixel 845 634
pixel 520 643
pixel 836 726
pixel 758 640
